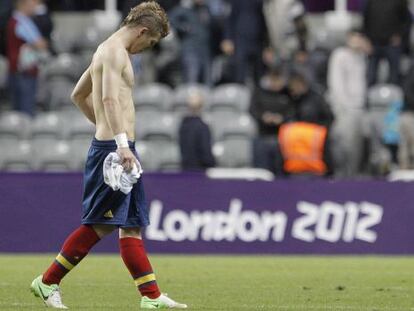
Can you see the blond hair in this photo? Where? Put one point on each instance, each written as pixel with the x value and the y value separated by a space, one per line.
pixel 148 14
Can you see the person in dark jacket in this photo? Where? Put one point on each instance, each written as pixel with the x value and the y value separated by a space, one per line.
pixel 44 23
pixel 385 24
pixel 270 107
pixel 309 105
pixel 270 102
pixel 246 37
pixel 192 22
pixel 195 138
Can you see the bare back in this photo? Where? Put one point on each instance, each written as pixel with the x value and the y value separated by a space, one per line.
pixel 122 80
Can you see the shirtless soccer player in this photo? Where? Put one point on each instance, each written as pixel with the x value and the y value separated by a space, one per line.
pixel 103 94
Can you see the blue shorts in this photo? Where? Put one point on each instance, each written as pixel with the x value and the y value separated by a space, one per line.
pixel 102 205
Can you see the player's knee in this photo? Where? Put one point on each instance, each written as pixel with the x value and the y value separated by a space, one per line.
pixel 130 233
pixel 102 230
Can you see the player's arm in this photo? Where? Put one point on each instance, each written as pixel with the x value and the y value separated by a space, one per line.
pixel 82 96
pixel 112 68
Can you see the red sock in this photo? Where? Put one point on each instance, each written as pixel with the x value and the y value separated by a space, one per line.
pixel 135 258
pixel 75 248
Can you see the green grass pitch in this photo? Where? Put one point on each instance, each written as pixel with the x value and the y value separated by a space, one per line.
pixel 101 282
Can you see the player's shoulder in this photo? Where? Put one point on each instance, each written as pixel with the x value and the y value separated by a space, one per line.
pixel 111 52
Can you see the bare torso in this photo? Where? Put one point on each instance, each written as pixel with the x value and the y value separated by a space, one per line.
pixel 126 83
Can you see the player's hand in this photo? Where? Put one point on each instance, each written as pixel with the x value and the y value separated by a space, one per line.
pixel 127 158
pixel 270 118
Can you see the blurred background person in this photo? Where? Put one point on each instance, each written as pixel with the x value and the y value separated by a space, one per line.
pixel 167 60
pixel 347 86
pixel 305 143
pixel 286 25
pixel 406 145
pixel 192 23
pixel 270 107
pixel 385 24
pixel 44 22
pixel 6 9
pixel 246 39
pixel 301 62
pixel 24 45
pixel 309 105
pixel 195 138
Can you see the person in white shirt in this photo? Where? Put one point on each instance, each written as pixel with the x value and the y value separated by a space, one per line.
pixel 347 86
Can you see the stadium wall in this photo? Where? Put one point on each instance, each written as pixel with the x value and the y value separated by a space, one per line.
pixel 191 213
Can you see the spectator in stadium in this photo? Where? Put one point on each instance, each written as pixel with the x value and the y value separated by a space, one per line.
pixel 246 38
pixel 286 25
pixel 270 107
pixel 301 62
pixel 406 145
pixel 305 149
pixel 6 9
pixel 43 21
pixel 195 138
pixel 219 10
pixel 309 105
pixel 385 23
pixel 347 91
pixel 305 144
pixel 192 22
pixel 167 61
pixel 24 45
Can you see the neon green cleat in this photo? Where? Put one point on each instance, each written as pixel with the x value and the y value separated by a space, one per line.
pixel 50 294
pixel 162 302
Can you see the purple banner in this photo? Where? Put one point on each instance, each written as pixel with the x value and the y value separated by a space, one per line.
pixel 318 6
pixel 191 213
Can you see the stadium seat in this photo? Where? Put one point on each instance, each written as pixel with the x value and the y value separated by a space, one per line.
pixel 143 119
pixel 156 155
pixel 84 59
pixel 79 126
pixel 15 125
pixel 63 41
pixel 405 65
pixel 183 92
pixel 168 155
pixel 88 40
pixel 156 126
pixel 382 95
pixel 233 153
pixel 231 125
pixel 79 148
pixel 155 97
pixel 147 156
pixel 52 155
pixel 48 125
pixel 63 66
pixel 16 155
pixel 4 72
pixel 383 71
pixel 58 93
pixel 230 97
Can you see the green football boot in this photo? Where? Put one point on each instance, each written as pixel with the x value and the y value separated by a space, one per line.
pixel 162 302
pixel 50 294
